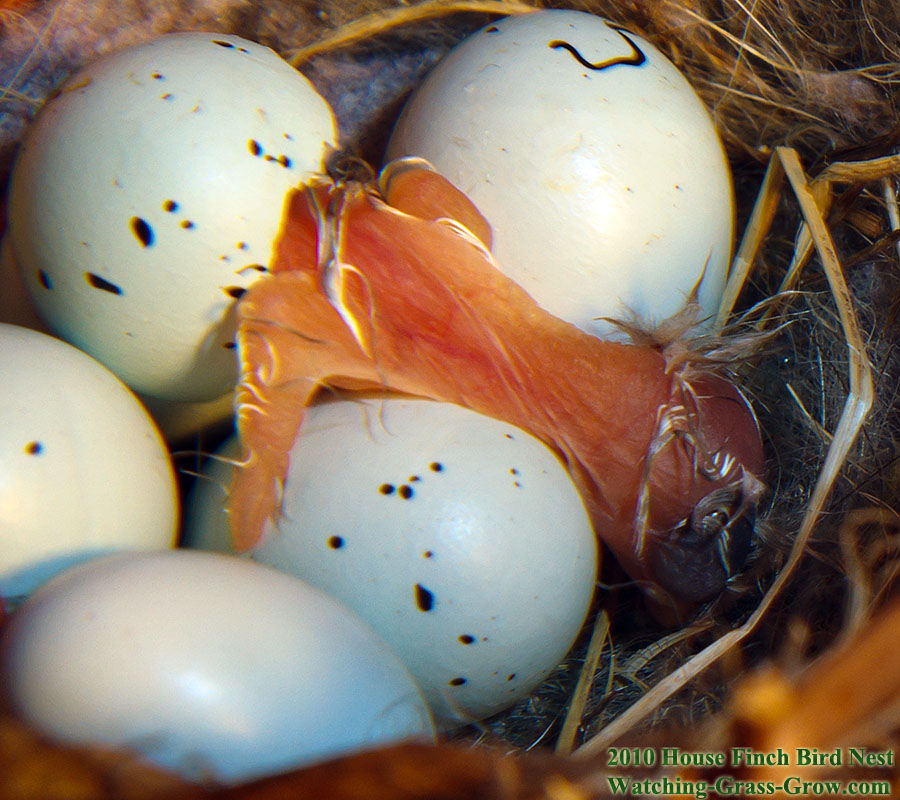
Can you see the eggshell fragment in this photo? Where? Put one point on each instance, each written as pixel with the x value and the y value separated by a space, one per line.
pixel 83 470
pixel 146 197
pixel 592 158
pixel 459 538
pixel 209 665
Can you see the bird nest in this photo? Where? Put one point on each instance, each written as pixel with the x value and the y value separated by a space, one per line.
pixel 798 651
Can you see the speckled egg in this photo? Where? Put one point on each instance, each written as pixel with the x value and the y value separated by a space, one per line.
pixel 593 159
pixel 214 667
pixel 146 197
pixel 83 470
pixel 459 538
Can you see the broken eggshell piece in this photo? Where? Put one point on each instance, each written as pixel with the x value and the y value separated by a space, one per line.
pixel 146 197
pixel 592 157
pixel 461 540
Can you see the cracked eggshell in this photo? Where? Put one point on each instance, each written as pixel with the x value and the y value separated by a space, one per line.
pixel 146 197
pixel 596 164
pixel 83 470
pixel 460 539
pixel 209 665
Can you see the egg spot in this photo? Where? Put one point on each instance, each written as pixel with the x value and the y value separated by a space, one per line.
pixel 511 677
pixel 101 283
pixel 405 492
pixel 170 206
pixel 492 29
pixel 234 291
pixel 157 76
pixel 254 147
pixel 34 448
pixel 509 436
pixel 186 224
pixel 436 466
pixel 428 554
pixel 229 345
pixel 242 246
pixel 336 542
pixel 413 479
pixel 513 471
pixel 222 43
pixel 284 161
pixel 424 598
pixel 466 639
pixel 166 96
pixel 142 230
pixel 458 681
pixel 634 59
pixel 44 279
pixel 386 488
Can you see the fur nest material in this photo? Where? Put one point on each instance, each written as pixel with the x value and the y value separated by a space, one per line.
pixel 821 78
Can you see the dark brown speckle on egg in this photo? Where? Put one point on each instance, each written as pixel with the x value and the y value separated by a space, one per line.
pixel 186 224
pixel 458 681
pixel 386 489
pixel 405 492
pixel 466 639
pixel 254 147
pixel 98 282
pixel 44 279
pixel 436 466
pixel 34 448
pixel 170 206
pixel 229 345
pixel 235 291
pixel 222 43
pixel 424 598
pixel 142 231
pixel 336 542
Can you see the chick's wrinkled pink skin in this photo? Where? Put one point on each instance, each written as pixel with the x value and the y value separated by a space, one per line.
pixel 364 295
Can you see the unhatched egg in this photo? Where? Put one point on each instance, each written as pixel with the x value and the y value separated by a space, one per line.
pixel 209 665
pixel 83 470
pixel 459 538
pixel 592 158
pixel 146 197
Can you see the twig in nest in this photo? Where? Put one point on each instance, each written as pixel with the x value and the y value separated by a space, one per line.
pixel 566 741
pixel 383 20
pixel 868 573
